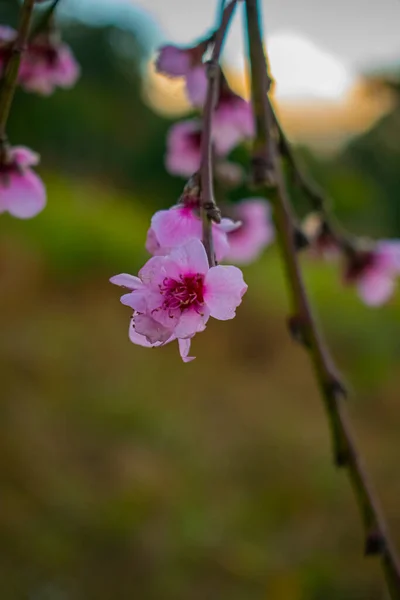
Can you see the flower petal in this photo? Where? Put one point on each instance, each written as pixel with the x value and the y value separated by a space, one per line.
pixel 389 255
pixel 129 281
pixel 151 329
pixel 184 349
pixel 188 259
pixel 376 288
pixel 196 85
pixel 191 322
pixel 141 340
pixel 175 226
pixel 224 288
pixel 24 195
pixel 172 61
pixel 153 271
pixel 24 157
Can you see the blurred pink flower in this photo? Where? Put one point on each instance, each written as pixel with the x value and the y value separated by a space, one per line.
pixel 183 154
pixel 22 192
pixel 374 271
pixel 175 295
pixel 196 85
pixel 180 224
pixel 183 148
pixel 255 233
pixel 232 122
pixel 47 65
pixel 173 61
pixel 185 62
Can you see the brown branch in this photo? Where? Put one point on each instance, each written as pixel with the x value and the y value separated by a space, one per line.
pixel 208 206
pixel 269 175
pixel 11 68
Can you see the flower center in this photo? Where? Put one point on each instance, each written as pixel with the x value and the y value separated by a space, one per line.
pixel 185 293
pixel 359 264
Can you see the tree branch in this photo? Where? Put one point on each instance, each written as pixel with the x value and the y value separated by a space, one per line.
pixel 11 68
pixel 208 206
pixel 268 173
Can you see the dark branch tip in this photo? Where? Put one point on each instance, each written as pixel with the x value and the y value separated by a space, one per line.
pixel 375 543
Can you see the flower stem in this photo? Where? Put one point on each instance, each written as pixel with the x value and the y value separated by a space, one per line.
pixel 209 209
pixel 267 171
pixel 10 76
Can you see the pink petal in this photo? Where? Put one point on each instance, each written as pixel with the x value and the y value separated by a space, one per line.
pixel 224 288
pixel 183 148
pixel 389 255
pixel 25 194
pixel 66 70
pixel 137 300
pixel 124 280
pixel 188 259
pixel 153 271
pixel 227 225
pixel 175 226
pixel 256 232
pixel 196 85
pixel 221 243
pixel 184 349
pixel 140 340
pixel 172 61
pixel 7 34
pixel 151 329
pixel 152 244
pixel 24 157
pixel 191 322
pixel 376 288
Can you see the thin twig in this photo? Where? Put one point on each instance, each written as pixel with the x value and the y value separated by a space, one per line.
pixel 9 81
pixel 209 209
pixel 317 197
pixel 377 540
pixel 44 20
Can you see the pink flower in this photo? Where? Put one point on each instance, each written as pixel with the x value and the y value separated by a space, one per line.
pixel 185 62
pixel 175 295
pixel 233 122
pixel 180 224
pixel 22 192
pixel 184 142
pixel 256 232
pixel 46 65
pixel 374 271
pixel 183 148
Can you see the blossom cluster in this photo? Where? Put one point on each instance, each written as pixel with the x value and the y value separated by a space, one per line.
pixel 372 267
pixel 233 121
pixel 46 63
pixel 177 290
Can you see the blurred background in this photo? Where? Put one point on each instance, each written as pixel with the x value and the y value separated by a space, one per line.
pixel 123 472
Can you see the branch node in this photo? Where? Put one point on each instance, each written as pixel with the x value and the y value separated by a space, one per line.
pixel 262 172
pixel 297 329
pixel 212 211
pixel 301 240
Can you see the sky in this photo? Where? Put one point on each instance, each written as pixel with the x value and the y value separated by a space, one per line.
pixel 317 47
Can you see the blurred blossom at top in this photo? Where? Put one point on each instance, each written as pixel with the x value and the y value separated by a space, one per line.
pixel 318 54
